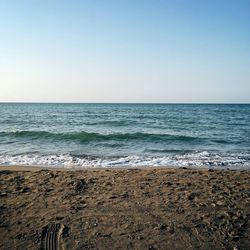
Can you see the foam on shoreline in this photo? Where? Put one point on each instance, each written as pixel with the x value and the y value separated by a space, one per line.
pixel 197 160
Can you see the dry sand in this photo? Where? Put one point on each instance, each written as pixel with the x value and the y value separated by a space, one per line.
pixel 124 209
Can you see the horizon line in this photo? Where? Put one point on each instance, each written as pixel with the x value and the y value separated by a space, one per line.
pixel 22 102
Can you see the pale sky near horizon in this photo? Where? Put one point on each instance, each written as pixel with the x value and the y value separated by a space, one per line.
pixel 125 51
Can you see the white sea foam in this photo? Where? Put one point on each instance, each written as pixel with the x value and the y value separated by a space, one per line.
pixel 197 159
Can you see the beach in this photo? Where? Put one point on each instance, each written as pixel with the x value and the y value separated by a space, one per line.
pixel 136 208
pixel 124 125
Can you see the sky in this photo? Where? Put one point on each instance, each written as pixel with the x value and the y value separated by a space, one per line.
pixel 167 51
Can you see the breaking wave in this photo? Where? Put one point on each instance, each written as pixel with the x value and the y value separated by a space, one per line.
pixel 88 137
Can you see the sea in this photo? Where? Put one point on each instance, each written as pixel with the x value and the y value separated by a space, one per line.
pixel 88 135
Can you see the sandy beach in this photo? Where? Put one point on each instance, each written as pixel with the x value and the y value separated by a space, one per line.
pixel 124 209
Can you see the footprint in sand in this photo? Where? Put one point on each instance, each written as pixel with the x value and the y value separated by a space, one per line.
pixel 52 237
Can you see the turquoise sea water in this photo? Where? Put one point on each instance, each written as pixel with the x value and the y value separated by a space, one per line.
pixel 125 135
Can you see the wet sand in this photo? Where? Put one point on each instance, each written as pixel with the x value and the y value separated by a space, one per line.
pixel 124 209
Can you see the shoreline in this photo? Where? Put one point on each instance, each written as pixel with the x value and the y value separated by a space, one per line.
pixel 73 168
pixel 138 208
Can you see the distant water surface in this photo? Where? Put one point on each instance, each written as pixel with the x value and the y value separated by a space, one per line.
pixel 125 135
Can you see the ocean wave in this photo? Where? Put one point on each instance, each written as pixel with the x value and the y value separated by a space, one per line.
pixel 88 137
pixel 118 123
pixel 195 159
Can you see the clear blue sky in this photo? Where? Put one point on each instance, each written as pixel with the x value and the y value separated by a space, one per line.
pixel 125 51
